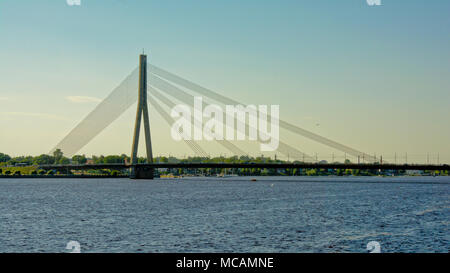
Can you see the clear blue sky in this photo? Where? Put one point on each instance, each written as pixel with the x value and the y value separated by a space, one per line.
pixel 376 78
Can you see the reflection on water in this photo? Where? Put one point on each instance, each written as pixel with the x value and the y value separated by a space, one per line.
pixel 288 214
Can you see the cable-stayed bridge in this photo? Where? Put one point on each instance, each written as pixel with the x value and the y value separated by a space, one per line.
pixel 163 90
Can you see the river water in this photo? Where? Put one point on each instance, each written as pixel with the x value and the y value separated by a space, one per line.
pixel 273 214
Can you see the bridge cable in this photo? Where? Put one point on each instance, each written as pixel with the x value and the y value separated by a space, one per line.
pixel 225 143
pixel 183 96
pixel 111 108
pixel 286 125
pixel 194 146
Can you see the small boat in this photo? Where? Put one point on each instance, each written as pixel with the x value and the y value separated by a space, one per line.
pixel 253 180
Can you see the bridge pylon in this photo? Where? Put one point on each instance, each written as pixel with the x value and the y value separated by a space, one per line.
pixel 142 110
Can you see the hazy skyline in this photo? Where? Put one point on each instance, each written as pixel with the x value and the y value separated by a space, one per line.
pixel 375 78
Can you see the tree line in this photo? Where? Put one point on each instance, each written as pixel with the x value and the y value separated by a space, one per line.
pixel 57 157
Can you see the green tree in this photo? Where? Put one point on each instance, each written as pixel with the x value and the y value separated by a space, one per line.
pixel 111 159
pixel 125 158
pixel 28 160
pixel 79 159
pixel 44 160
pixel 98 159
pixel 4 157
pixel 64 161
pixel 162 159
pixel 58 154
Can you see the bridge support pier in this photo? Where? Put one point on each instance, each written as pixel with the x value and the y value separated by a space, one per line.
pixel 142 172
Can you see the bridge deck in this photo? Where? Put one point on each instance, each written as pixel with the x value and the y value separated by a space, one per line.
pixel 252 165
